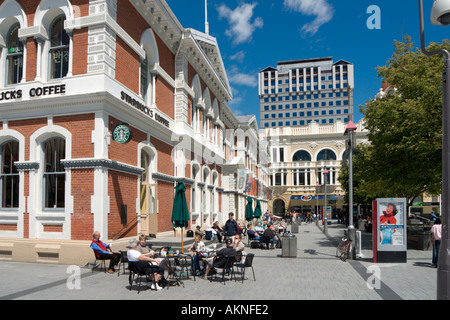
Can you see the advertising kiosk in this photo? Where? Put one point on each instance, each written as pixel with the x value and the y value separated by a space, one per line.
pixel 389 230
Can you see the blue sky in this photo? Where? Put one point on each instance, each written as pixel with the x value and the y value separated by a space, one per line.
pixel 254 34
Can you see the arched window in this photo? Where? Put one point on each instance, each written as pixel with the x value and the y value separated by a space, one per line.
pixel 148 68
pixel 59 49
pixel 54 174
pixel 301 155
pixel 195 176
pixel 14 56
pixel 144 79
pixel 9 176
pixel 326 155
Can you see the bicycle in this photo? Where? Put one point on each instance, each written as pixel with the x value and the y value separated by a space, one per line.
pixel 344 248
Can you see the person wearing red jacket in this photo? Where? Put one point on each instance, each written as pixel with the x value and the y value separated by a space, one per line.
pixel 103 251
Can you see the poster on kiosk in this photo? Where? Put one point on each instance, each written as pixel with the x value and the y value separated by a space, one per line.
pixel 389 238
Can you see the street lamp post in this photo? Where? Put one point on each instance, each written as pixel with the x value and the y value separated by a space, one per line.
pixel 324 217
pixel 351 127
pixel 441 9
pixel 317 203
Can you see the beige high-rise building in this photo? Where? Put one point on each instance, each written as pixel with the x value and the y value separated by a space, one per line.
pixel 299 92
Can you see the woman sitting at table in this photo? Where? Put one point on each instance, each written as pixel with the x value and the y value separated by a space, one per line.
pixel 240 249
pixel 218 230
pixel 198 248
pixel 144 249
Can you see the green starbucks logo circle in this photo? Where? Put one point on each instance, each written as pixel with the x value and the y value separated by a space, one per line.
pixel 121 133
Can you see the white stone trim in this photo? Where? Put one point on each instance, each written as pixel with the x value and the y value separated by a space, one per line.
pixel 39 216
pixel 14 216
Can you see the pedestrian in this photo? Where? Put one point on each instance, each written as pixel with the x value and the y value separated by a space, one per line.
pixel 433 216
pixel 436 233
pixel 231 227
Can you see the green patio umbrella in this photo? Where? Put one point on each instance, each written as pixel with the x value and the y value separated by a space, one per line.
pixel 180 212
pixel 257 214
pixel 249 209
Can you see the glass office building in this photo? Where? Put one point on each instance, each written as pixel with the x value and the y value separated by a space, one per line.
pixel 299 92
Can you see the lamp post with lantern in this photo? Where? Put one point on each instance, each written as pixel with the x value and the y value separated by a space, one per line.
pixel 440 15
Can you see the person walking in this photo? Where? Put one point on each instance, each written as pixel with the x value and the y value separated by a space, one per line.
pixel 436 233
pixel 231 227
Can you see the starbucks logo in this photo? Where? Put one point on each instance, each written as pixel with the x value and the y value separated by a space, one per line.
pixel 121 133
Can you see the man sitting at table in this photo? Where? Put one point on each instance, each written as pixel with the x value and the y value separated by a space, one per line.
pixel 220 257
pixel 252 234
pixel 269 236
pixel 134 255
pixel 103 251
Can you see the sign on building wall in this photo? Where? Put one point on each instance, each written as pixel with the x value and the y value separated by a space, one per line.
pixel 121 133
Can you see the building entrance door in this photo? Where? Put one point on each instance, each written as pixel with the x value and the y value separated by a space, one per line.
pixel 147 196
pixel 278 207
pixel 149 221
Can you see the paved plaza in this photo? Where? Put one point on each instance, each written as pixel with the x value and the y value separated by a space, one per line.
pixel 315 274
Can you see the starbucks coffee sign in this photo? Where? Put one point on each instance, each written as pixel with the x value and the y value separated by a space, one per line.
pixel 121 133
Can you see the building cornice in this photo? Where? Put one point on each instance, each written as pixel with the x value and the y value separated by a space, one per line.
pixel 101 163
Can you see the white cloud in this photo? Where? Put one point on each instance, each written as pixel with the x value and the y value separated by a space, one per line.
pixel 242 79
pixel 321 9
pixel 241 26
pixel 238 56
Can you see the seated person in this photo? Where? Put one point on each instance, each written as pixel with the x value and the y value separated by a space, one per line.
pixel 259 228
pixel 103 251
pixel 239 247
pixel 198 231
pixel 134 255
pixel 219 259
pixel 198 248
pixel 142 248
pixel 252 234
pixel 218 231
pixel 281 228
pixel 268 236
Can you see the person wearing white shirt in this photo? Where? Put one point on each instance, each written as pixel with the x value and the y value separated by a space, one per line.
pixel 134 255
pixel 436 236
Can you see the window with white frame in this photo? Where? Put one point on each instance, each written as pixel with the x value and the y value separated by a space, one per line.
pixel 54 174
pixel 14 56
pixel 144 78
pixel 59 49
pixel 9 176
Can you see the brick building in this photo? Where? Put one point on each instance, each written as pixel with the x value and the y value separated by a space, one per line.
pixel 104 106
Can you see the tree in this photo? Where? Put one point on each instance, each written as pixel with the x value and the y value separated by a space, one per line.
pixel 404 158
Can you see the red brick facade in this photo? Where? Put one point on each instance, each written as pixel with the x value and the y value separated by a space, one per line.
pixel 103 173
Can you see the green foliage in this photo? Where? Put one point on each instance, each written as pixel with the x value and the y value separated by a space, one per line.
pixel 404 158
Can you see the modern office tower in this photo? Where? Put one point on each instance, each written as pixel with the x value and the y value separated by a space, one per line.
pixel 298 92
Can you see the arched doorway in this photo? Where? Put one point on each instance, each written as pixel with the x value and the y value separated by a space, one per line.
pixel 278 207
pixel 148 194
